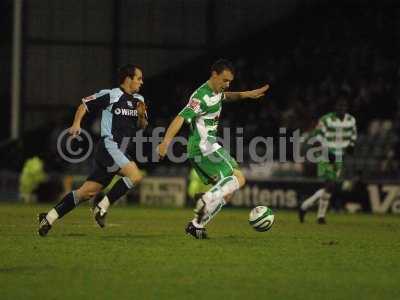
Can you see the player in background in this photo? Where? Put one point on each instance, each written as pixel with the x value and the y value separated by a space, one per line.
pixel 123 112
pixel 212 163
pixel 336 132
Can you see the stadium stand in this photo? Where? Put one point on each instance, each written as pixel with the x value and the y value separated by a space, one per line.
pixel 348 54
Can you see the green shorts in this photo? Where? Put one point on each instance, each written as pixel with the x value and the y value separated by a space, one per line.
pixel 330 171
pixel 215 166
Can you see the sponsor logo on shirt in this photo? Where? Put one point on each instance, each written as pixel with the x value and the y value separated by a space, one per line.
pixel 194 104
pixel 125 112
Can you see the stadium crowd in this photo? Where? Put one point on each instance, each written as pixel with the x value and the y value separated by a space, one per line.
pixel 346 52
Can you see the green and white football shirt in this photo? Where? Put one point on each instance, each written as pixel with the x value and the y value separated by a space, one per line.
pixel 337 134
pixel 202 113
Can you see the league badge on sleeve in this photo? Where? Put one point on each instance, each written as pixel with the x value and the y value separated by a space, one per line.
pixel 194 104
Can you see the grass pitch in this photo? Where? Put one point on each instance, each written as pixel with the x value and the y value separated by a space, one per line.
pixel 143 254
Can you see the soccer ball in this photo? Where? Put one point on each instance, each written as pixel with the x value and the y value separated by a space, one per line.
pixel 261 218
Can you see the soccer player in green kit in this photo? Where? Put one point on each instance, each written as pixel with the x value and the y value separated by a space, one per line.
pixel 336 132
pixel 212 163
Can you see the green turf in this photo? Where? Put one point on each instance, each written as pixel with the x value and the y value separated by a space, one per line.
pixel 144 254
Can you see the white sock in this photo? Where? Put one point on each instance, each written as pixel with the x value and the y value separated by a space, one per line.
pixel 227 185
pixel 214 198
pixel 52 216
pixel 104 204
pixel 311 200
pixel 213 206
pixel 212 211
pixel 323 205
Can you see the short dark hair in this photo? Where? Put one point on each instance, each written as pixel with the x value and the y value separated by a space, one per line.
pixel 125 71
pixel 222 64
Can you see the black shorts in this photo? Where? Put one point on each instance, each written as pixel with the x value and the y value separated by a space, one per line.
pixel 107 162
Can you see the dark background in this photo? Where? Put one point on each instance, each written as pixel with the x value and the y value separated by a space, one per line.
pixel 311 53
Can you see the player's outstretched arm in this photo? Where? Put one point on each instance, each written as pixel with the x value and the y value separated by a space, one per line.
pixel 75 129
pixel 172 130
pixel 253 94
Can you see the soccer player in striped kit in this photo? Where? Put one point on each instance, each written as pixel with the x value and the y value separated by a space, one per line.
pixel 212 162
pixel 123 112
pixel 337 133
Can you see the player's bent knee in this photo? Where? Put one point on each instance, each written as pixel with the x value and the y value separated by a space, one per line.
pixel 91 194
pixel 242 181
pixel 84 195
pixel 240 178
pixel 87 191
pixel 136 179
pixel 132 172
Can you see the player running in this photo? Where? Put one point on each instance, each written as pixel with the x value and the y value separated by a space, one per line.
pixel 212 163
pixel 123 112
pixel 337 132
